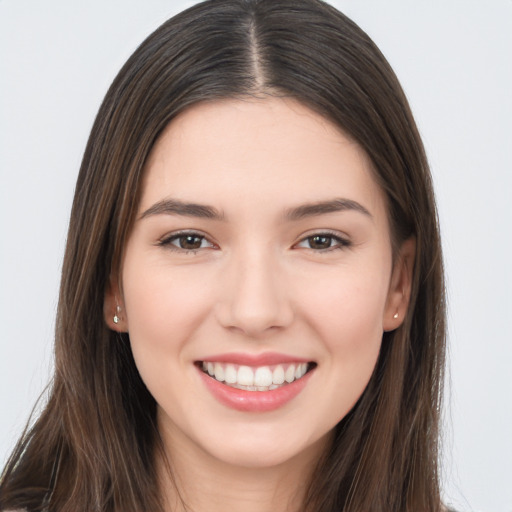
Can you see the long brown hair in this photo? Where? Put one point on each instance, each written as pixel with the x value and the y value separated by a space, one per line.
pixel 92 448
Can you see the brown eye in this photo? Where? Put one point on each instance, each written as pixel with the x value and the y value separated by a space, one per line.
pixel 186 242
pixel 320 242
pixel 189 242
pixel 323 242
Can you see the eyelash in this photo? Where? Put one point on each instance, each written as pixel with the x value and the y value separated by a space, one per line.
pixel 340 242
pixel 168 242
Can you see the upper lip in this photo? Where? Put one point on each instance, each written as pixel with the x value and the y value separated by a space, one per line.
pixel 263 359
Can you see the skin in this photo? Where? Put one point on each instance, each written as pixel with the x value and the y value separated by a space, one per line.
pixel 257 282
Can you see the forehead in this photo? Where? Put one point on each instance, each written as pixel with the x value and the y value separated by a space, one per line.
pixel 272 152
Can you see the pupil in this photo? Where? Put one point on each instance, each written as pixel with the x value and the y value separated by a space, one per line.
pixel 320 242
pixel 190 242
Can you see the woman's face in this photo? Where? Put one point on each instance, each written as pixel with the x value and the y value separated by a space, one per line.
pixel 257 280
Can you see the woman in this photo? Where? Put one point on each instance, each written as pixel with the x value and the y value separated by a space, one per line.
pixel 252 304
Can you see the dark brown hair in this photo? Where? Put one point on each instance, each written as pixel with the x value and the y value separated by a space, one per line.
pixel 92 447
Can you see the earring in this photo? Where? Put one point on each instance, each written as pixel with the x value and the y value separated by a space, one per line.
pixel 116 317
pixel 395 315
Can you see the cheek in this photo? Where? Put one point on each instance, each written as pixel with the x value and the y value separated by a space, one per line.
pixel 350 324
pixel 163 309
pixel 347 304
pixel 345 311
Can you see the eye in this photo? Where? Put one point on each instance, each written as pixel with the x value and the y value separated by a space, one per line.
pixel 323 242
pixel 186 242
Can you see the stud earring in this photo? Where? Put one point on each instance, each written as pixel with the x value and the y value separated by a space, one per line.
pixel 116 317
pixel 395 315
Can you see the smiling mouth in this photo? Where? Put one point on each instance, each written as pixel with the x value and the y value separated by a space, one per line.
pixel 260 378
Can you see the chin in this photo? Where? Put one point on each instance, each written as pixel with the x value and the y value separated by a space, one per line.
pixel 254 451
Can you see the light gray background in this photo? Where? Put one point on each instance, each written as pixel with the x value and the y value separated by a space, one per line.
pixel 454 59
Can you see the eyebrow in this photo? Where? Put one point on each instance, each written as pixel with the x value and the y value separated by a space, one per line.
pixel 176 207
pixel 324 207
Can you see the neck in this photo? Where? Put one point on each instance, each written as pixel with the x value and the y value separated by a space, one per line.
pixel 194 481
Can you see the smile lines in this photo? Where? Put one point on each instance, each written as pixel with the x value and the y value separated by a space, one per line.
pixel 261 378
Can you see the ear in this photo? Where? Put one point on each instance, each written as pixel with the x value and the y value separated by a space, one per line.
pixel 400 286
pixel 113 308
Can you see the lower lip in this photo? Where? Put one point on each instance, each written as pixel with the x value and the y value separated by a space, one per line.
pixel 254 401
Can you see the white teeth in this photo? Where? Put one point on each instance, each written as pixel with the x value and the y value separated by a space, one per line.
pixel 219 372
pixel 289 375
pixel 263 377
pixel 278 375
pixel 301 370
pixel 246 376
pixel 230 374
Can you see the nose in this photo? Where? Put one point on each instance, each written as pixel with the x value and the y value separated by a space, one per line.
pixel 254 297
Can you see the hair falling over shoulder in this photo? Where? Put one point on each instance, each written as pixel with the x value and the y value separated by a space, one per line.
pixel 94 445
